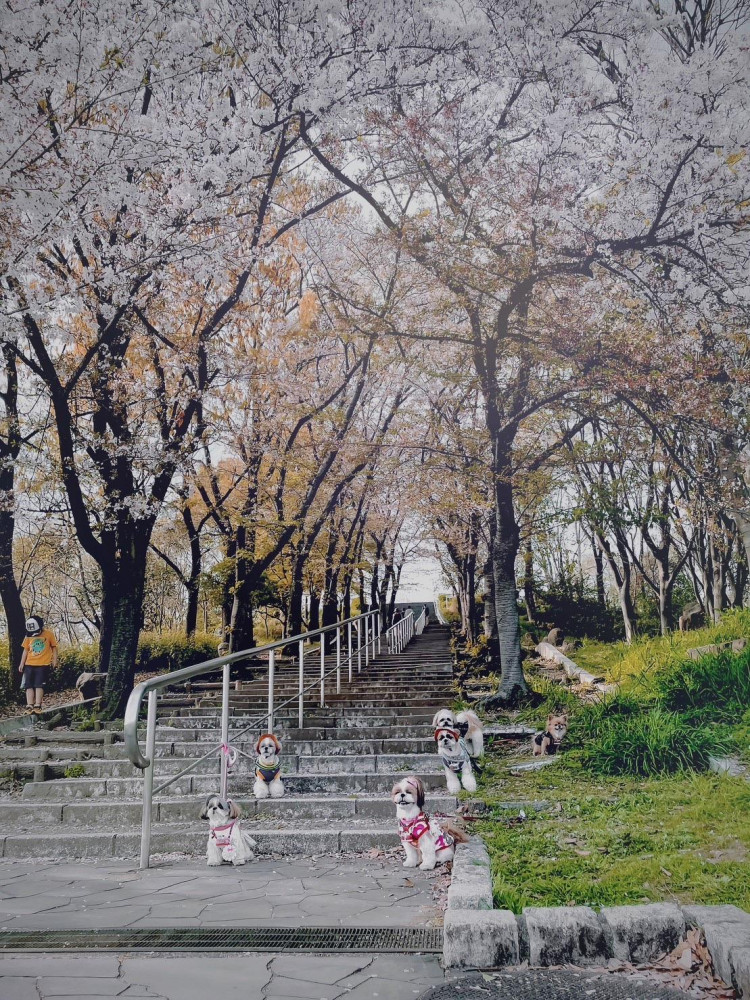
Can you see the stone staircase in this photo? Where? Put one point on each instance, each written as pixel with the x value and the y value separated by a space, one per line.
pixel 81 796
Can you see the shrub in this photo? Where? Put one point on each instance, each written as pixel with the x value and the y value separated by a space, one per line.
pixel 651 743
pixel 160 654
pixel 74 771
pixel 716 687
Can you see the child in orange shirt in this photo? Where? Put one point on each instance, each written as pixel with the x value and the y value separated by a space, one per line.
pixel 39 653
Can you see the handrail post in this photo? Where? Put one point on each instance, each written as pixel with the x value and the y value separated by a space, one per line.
pixel 224 726
pixel 359 648
pixel 148 779
pixel 271 680
pixel 380 634
pixel 338 660
pixel 322 669
pixel 301 717
pixel 349 648
pixel 367 641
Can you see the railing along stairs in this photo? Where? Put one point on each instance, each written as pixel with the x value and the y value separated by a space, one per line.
pixel 363 637
pixel 403 631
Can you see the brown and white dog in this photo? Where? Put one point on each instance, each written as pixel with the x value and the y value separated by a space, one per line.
pixel 226 839
pixel 468 725
pixel 268 768
pixel 426 842
pixel 548 742
pixel 456 760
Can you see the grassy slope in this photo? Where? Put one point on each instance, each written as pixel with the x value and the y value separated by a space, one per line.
pixel 619 662
pixel 608 841
pixel 621 841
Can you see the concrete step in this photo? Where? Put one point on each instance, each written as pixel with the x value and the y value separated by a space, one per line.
pixel 191 749
pixel 291 808
pixel 192 841
pixel 291 764
pixel 344 783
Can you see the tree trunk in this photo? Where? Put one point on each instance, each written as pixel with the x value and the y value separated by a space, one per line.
pixel 123 582
pixel 528 581
pixel 294 611
pixel 313 618
pixel 192 584
pixel 504 551
pixel 666 588
pixel 11 597
pixel 599 563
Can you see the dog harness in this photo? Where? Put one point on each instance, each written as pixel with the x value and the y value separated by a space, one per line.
pixel 265 772
pixel 553 744
pixel 411 832
pixel 223 839
pixel 456 764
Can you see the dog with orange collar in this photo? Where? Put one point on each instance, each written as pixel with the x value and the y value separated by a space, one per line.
pixel 426 842
pixel 227 841
pixel 268 768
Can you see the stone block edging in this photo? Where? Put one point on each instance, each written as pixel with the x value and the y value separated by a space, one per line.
pixel 476 936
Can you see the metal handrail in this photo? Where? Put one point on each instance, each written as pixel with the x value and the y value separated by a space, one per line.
pixel 400 633
pixel 421 621
pixel 369 621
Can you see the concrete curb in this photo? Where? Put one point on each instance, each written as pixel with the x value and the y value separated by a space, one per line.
pixel 476 936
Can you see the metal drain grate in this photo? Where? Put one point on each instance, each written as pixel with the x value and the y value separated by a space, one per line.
pixel 324 939
pixel 552 984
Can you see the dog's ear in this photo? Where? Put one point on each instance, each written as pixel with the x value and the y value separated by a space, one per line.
pixel 435 720
pixel 204 810
pixel 419 787
pixel 550 717
pixel 395 790
pixel 234 810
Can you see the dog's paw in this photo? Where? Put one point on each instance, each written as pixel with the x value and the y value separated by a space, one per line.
pixel 427 866
pixel 454 787
pixel 213 864
pixel 410 864
pixel 237 862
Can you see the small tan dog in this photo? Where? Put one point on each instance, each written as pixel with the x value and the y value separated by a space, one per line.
pixel 548 743
pixel 426 842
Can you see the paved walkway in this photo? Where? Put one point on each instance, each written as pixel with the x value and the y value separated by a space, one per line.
pixel 231 977
pixel 184 893
pixel 323 891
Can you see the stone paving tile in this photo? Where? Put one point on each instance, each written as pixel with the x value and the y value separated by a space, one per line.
pixel 18 989
pixel 232 977
pixel 341 891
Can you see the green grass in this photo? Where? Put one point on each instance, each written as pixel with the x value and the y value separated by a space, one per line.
pixel 636 663
pixel 612 841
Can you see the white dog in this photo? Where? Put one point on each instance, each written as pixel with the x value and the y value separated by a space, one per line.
pixel 456 760
pixel 226 839
pixel 468 725
pixel 268 768
pixel 423 838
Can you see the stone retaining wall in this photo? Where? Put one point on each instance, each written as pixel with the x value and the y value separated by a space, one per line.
pixel 476 936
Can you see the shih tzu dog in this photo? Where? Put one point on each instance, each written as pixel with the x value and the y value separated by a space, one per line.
pixel 456 760
pixel 226 839
pixel 468 726
pixel 426 842
pixel 548 742
pixel 268 768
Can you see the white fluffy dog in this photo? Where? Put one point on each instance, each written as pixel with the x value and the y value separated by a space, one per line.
pixel 268 768
pixel 468 725
pixel 226 839
pixel 456 760
pixel 426 842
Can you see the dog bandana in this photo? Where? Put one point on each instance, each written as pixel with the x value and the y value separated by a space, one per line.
pixel 222 839
pixel 265 772
pixel 412 831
